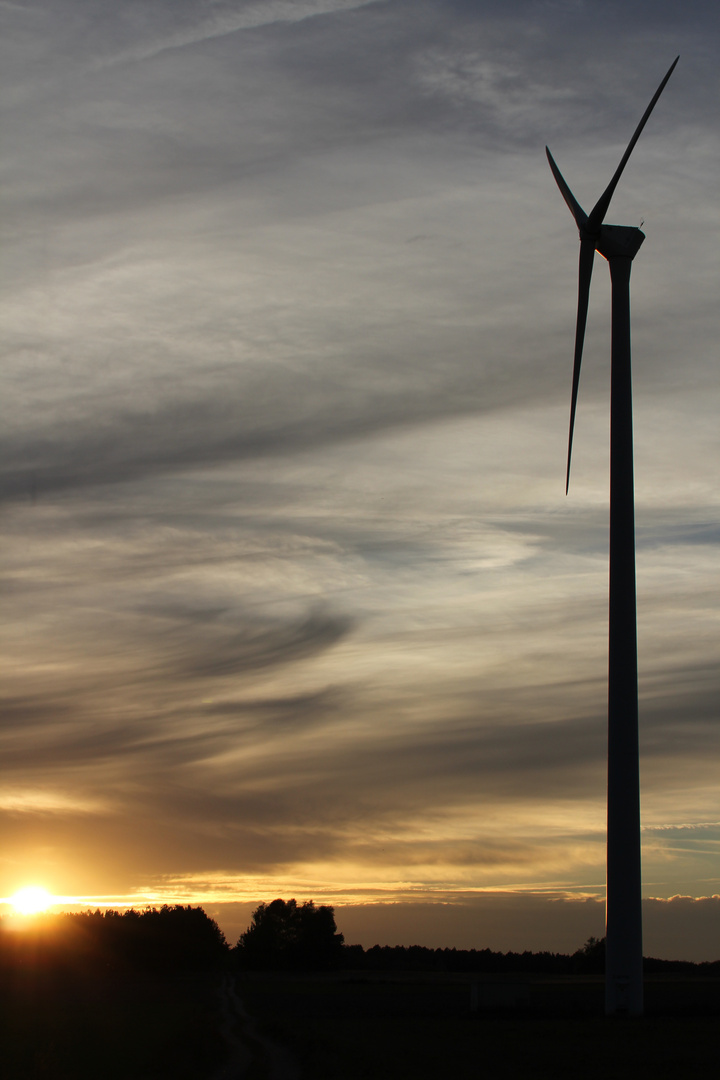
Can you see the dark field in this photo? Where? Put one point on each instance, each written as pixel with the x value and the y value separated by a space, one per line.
pixel 346 1027
pixel 114 1027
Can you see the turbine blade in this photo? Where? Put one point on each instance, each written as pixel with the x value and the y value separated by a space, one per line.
pixel 587 256
pixel 598 212
pixel 575 208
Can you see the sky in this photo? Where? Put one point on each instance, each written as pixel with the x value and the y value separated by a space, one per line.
pixel 294 601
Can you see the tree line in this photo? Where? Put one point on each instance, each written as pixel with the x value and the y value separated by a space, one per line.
pixel 157 939
pixel 283 936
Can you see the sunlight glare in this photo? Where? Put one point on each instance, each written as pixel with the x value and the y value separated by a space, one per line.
pixel 31 900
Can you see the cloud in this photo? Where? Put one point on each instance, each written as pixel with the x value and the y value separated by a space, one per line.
pixel 221 18
pixel 292 591
pixel 682 927
pixel 679 928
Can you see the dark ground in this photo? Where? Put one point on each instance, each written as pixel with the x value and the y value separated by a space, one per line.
pixel 125 1026
pixel 418 1027
pixel 351 1026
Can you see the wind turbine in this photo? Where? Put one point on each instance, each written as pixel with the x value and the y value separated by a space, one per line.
pixel 619 244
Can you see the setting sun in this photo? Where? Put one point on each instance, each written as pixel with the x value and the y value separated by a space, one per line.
pixel 31 900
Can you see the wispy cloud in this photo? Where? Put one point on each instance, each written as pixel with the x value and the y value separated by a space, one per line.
pixel 292 592
pixel 198 23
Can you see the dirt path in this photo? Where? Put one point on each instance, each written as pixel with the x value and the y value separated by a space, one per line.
pixel 247 1047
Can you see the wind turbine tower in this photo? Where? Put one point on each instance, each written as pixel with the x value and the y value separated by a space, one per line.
pixel 618 244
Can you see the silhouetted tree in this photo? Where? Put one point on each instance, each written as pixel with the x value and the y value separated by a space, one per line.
pixel 170 938
pixel 285 935
pixel 175 937
pixel 590 960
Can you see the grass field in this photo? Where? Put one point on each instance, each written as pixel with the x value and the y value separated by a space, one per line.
pixel 352 1026
pixel 110 1027
pixel 347 1028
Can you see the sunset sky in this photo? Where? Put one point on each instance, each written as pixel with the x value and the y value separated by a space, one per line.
pixel 294 603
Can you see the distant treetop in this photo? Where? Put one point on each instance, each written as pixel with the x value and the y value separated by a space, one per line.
pixel 286 935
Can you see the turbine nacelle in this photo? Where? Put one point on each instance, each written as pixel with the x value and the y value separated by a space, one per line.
pixel 619 241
